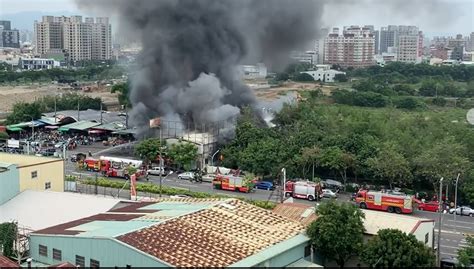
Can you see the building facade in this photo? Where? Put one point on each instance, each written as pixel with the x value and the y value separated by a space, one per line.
pixel 38 64
pixel 353 48
pixel 79 40
pixel 388 38
pixel 10 38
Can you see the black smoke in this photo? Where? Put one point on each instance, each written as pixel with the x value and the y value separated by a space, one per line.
pixel 187 69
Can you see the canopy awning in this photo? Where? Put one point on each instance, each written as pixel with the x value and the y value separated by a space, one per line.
pixel 51 127
pixel 79 126
pixel 97 131
pixel 14 129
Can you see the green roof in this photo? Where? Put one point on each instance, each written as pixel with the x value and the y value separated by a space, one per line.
pixel 14 129
pixel 80 126
pixel 20 125
pixel 113 126
pixel 50 121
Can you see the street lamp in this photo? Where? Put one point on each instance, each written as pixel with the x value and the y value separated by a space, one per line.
pixel 456 199
pixel 212 158
pixel 440 213
pixel 283 170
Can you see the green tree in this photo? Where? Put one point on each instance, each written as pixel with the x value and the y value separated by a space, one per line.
pixel 395 249
pixel 337 160
pixel 149 149
pixel 8 232
pixel 439 101
pixel 391 165
pixel 466 254
pixel 183 153
pixel 410 103
pixel 303 77
pixel 24 112
pixel 123 91
pixel 309 157
pixel 341 78
pixel 337 234
pixel 262 157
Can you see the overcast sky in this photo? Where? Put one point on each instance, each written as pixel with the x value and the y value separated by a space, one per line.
pixel 432 16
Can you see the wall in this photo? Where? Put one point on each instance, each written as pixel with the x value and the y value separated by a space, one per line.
pixel 52 171
pixel 9 182
pixel 423 229
pixel 107 251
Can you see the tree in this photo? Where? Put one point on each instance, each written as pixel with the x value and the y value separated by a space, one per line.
pixel 8 232
pixel 148 149
pixel 183 154
pixel 466 254
pixel 262 157
pixel 337 160
pixel 337 234
pixel 391 165
pixel 410 103
pixel 439 101
pixel 309 157
pixel 303 77
pixel 428 88
pixel 395 249
pixel 123 91
pixel 24 112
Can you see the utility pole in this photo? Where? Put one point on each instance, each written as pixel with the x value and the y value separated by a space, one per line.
pixel 55 108
pixel 283 170
pixel 161 165
pixel 78 111
pixel 101 112
pixel 440 219
pixel 456 199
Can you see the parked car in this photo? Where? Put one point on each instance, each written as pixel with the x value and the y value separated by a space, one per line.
pixel 327 193
pixel 156 171
pixel 77 157
pixel 463 211
pixel 264 185
pixel 332 184
pixel 186 175
pixel 432 206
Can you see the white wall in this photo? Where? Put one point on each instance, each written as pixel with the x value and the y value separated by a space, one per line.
pixel 423 229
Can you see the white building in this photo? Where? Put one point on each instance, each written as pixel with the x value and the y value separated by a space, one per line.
pixel 253 71
pixel 324 73
pixel 38 64
pixel 310 56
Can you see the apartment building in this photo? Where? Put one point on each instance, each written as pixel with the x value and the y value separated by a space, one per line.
pixel 353 48
pixel 9 38
pixel 79 40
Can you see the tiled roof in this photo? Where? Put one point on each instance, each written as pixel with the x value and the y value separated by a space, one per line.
pixel 63 265
pixel 216 236
pixel 297 212
pixel 7 263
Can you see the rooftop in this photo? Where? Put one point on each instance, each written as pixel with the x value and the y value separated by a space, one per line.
pixel 377 220
pixel 7 263
pixel 297 212
pixel 90 115
pixel 79 125
pixel 25 160
pixel 188 231
pixel 46 211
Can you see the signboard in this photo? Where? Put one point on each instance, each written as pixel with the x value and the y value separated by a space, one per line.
pixel 12 143
pixel 133 186
pixel 155 123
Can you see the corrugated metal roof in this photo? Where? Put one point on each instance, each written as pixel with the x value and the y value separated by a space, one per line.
pixel 113 126
pixel 297 212
pixel 90 115
pixel 7 263
pixel 80 125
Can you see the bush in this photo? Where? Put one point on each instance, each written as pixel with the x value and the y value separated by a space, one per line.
pixel 439 101
pixel 303 77
pixel 4 136
pixel 341 78
pixel 409 103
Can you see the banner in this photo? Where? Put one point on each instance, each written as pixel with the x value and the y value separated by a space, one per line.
pixel 12 143
pixel 155 123
pixel 133 186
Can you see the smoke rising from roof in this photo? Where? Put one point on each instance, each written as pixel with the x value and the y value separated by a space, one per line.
pixel 191 48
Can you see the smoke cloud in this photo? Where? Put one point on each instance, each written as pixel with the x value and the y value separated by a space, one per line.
pixel 191 48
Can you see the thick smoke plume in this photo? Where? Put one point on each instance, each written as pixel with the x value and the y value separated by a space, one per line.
pixel 191 48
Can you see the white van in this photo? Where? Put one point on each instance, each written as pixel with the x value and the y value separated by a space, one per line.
pixel 155 171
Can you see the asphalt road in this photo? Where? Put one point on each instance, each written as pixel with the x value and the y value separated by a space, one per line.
pixel 453 229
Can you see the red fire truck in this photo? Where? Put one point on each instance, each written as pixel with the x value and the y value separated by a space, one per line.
pixel 385 201
pixel 303 189
pixel 232 183
pixel 93 164
pixel 119 169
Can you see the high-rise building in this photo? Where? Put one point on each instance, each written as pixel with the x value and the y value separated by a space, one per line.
pixel 471 41
pixel 408 43
pixel 353 48
pixel 388 38
pixel 10 38
pixel 79 40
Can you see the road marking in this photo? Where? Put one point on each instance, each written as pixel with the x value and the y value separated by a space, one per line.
pixel 463 245
pixel 443 246
pixel 447 232
pixel 457 226
pixel 458 221
pixel 450 254
pixel 443 239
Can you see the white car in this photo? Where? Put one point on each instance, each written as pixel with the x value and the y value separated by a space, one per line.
pixel 156 171
pixel 186 175
pixel 327 193
pixel 463 211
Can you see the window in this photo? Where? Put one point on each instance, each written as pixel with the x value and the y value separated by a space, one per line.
pixel 94 264
pixel 47 185
pixel 80 261
pixel 427 238
pixel 34 174
pixel 57 254
pixel 307 251
pixel 43 250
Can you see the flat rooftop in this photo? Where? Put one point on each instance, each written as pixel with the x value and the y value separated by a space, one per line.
pixel 25 160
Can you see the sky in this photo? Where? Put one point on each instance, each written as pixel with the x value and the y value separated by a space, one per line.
pixel 434 17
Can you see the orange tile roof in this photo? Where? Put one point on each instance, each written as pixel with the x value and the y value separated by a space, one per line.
pixel 297 212
pixel 215 237
pixel 7 263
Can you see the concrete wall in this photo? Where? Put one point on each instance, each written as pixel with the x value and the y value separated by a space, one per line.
pixel 108 252
pixel 9 182
pixel 425 231
pixel 46 172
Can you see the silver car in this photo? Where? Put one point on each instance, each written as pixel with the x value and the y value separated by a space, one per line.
pixel 327 193
pixel 156 171
pixel 186 175
pixel 463 211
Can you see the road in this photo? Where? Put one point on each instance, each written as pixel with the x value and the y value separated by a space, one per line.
pixel 453 231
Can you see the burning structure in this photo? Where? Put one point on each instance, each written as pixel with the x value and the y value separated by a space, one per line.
pixel 188 68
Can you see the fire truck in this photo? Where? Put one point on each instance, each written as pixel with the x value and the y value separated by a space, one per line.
pixel 119 169
pixel 303 189
pixel 385 201
pixel 232 183
pixel 93 164
pixel 134 163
